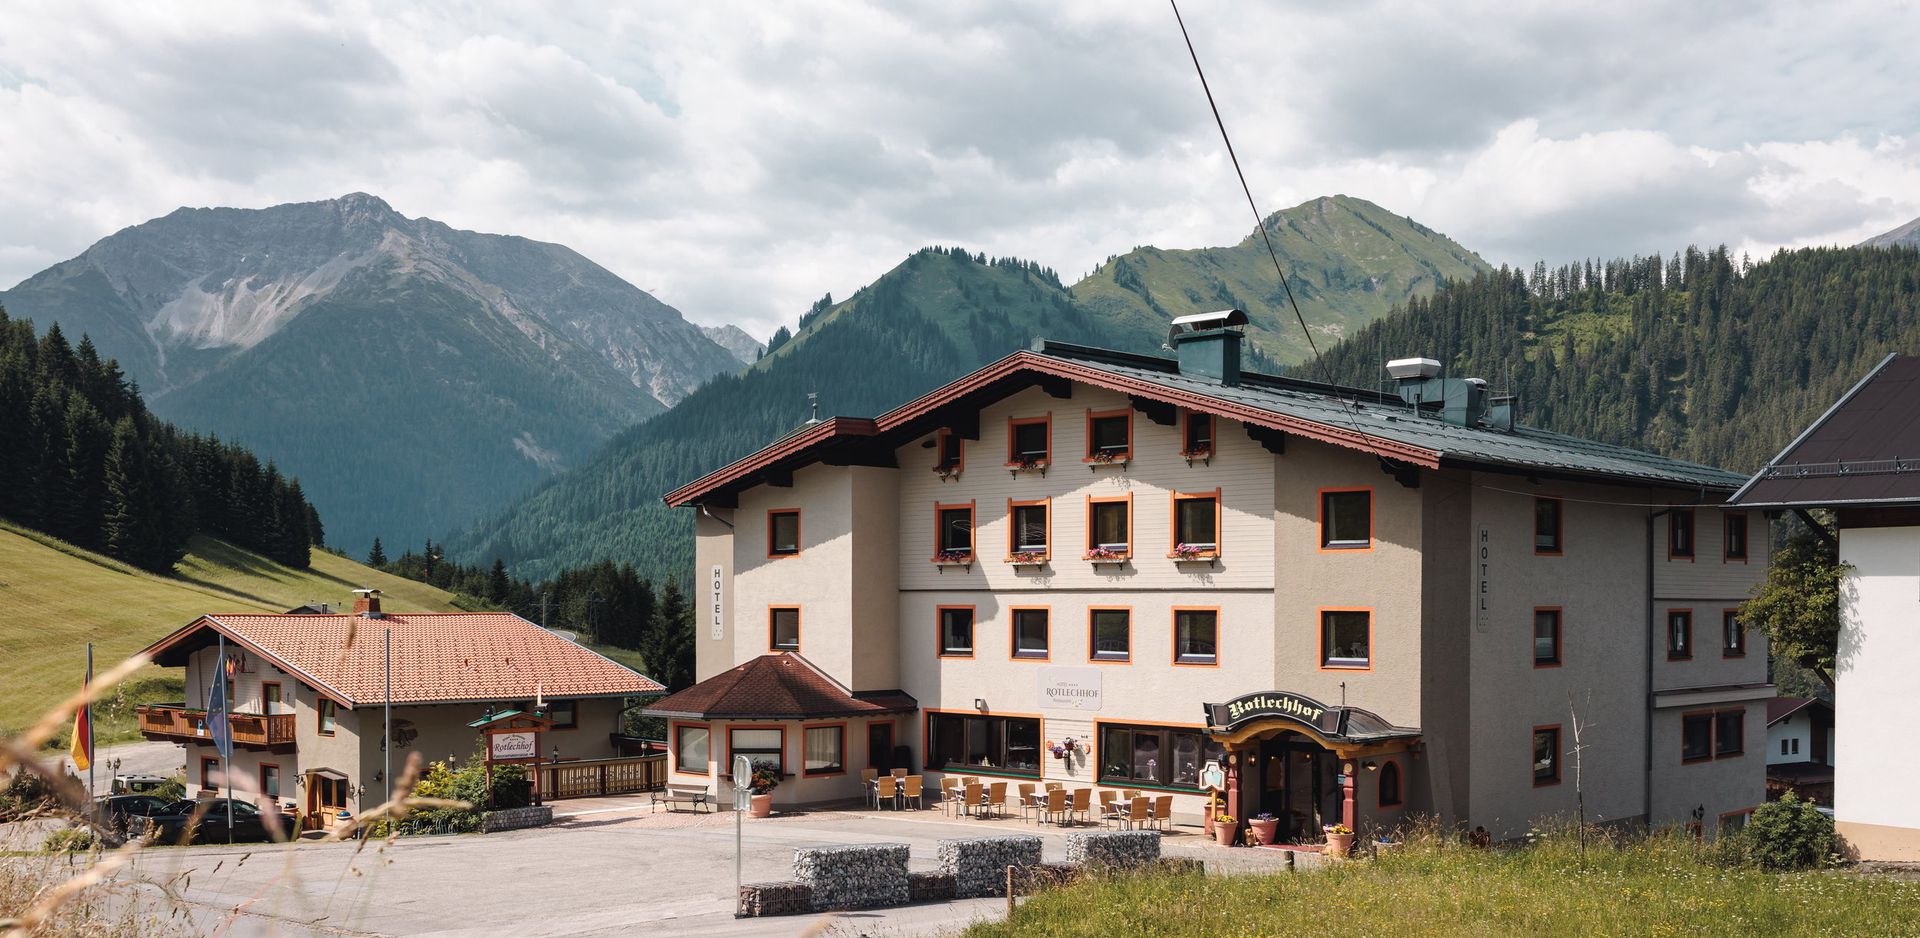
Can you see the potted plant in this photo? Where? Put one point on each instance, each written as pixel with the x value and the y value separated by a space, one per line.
pixel 1027 558
pixel 1184 551
pixel 766 778
pixel 953 558
pixel 1106 457
pixel 1020 464
pixel 1226 829
pixel 1106 555
pixel 1339 841
pixel 1202 453
pixel 1264 828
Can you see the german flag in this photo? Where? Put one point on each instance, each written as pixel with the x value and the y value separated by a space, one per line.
pixel 82 749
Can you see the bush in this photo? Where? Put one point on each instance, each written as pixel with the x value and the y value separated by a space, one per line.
pixel 1789 834
pixel 71 840
pixel 24 794
pixel 465 782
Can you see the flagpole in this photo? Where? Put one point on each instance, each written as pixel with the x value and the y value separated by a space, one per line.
pixel 226 730
pixel 388 744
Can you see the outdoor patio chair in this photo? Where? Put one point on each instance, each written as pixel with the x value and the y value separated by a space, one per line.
pixel 1107 796
pixel 1029 804
pixel 949 793
pixel 997 798
pixel 910 791
pixel 1128 794
pixel 1163 813
pixel 868 775
pixel 976 799
pixel 1138 813
pixel 1082 801
pixel 887 791
pixel 899 773
pixel 1056 806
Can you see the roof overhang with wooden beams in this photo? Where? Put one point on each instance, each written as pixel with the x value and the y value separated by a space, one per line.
pixel 956 406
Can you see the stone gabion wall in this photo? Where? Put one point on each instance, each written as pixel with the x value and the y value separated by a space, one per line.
pixel 854 876
pixel 776 898
pixel 1113 849
pixel 979 864
pixel 929 886
pixel 508 819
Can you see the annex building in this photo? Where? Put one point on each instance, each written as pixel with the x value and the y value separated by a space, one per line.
pixel 1113 569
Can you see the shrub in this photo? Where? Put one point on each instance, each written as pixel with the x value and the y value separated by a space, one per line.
pixel 1789 834
pixel 24 794
pixel 465 782
pixel 70 840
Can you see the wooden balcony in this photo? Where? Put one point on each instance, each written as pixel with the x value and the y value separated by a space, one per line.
pixel 175 723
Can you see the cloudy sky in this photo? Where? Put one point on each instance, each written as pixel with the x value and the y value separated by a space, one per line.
pixel 740 160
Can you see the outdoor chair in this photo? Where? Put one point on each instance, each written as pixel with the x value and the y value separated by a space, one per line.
pixel 1107 810
pixel 868 775
pixel 1163 813
pixel 1082 801
pixel 1128 794
pixel 1028 803
pixel 910 791
pixel 899 773
pixel 997 799
pixel 1056 806
pixel 1138 813
pixel 976 799
pixel 949 793
pixel 887 790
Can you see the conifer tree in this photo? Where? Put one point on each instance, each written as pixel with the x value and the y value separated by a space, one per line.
pixel 497 582
pixel 132 528
pixel 377 557
pixel 667 648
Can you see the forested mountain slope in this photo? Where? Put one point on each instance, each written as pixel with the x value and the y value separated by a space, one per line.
pixel 1697 356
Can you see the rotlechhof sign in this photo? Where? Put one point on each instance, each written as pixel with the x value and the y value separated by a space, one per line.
pixel 514 745
pixel 1069 688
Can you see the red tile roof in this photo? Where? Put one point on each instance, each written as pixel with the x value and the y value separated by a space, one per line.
pixel 777 687
pixel 438 657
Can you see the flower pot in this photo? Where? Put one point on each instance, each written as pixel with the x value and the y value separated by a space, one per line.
pixel 1264 832
pixel 1226 832
pixel 761 805
pixel 1338 846
pixel 1206 822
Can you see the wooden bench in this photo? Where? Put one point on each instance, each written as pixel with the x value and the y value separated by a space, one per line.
pixel 674 797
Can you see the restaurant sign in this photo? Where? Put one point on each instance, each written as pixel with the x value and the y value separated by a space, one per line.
pixel 1070 688
pixel 1229 716
pixel 514 745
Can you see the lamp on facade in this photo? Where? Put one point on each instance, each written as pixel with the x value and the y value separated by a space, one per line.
pixel 980 703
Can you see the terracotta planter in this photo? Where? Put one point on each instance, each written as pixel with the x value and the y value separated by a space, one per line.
pixel 1226 833
pixel 1206 823
pixel 1264 832
pixel 1338 846
pixel 761 805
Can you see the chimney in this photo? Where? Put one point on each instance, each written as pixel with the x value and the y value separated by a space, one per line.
pixel 1501 412
pixel 366 602
pixel 1208 345
pixel 1458 401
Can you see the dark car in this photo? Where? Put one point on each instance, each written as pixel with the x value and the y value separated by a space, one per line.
pixel 207 820
pixel 116 812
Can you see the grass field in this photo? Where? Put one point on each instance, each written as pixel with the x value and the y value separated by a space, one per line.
pixel 1662 887
pixel 54 598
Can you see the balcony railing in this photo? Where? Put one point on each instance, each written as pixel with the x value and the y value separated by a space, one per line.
pixel 175 722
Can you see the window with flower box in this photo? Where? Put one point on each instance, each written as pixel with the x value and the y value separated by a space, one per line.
pixel 1109 436
pixel 1029 442
pixel 1196 439
pixel 953 533
pixel 1109 528
pixel 1030 531
pixel 1196 526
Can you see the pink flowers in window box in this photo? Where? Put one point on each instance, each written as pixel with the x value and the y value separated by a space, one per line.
pixel 1106 554
pixel 1027 558
pixel 948 558
pixel 1194 552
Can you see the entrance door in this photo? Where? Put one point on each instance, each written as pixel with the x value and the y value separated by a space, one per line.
pixel 880 746
pixel 1293 780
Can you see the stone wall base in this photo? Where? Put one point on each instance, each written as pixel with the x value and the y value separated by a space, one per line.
pixel 508 819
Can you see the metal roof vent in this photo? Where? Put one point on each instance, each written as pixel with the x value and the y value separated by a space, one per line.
pixel 1208 344
pixel 1458 401
pixel 1401 369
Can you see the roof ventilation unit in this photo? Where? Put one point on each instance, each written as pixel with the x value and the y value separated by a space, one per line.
pixel 1208 344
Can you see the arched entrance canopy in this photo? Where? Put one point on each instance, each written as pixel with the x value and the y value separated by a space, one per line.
pixel 1348 731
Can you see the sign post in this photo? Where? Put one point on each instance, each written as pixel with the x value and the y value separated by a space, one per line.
pixel 742 783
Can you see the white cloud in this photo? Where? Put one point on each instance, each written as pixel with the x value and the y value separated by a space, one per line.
pixel 742 159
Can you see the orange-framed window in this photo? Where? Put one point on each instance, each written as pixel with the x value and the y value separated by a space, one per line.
pixel 1546 755
pixel 783 532
pixel 692 746
pixel 270 780
pixel 1029 441
pixel 953 530
pixel 1680 534
pixel 1032 632
pixel 1196 525
pixel 328 716
pixel 783 628
pixel 1196 435
pixel 1110 633
pixel 1110 527
pixel 1109 435
pixel 1733 634
pixel 1546 636
pixel 1196 635
pixel 1030 528
pixel 760 744
pixel 949 452
pixel 1733 535
pixel 823 749
pixel 1549 526
pixel 1346 519
pixel 1391 794
pixel 953 627
pixel 1346 639
pixel 1679 634
pixel 1154 755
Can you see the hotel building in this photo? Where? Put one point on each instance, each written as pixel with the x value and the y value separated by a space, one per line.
pixel 1112 569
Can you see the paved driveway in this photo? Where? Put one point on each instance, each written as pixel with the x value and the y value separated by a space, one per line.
pixel 610 869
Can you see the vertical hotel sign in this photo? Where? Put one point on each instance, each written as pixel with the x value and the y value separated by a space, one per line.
pixel 716 580
pixel 1482 594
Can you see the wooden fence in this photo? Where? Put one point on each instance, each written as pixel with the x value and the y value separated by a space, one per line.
pixel 617 776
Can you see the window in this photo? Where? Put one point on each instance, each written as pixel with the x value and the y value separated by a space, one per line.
pixel 1030 527
pixel 1109 435
pixel 1346 638
pixel 330 792
pixel 949 456
pixel 978 741
pixel 1796 744
pixel 1111 634
pixel 1734 528
pixel 783 628
pixel 1155 755
pixel 1546 525
pixel 783 533
pixel 1109 526
pixel 209 773
pixel 1546 638
pixel 1196 524
pixel 1390 796
pixel 758 745
pixel 1733 634
pixel 271 702
pixel 1729 733
pixel 1030 633
pixel 690 752
pixel 565 714
pixel 1029 441
pixel 1196 636
pixel 956 631
pixel 329 713
pixel 1783 746
pixel 270 780
pixel 1696 737
pixel 822 749
pixel 1346 519
pixel 1679 634
pixel 1197 441
pixel 1546 755
pixel 955 524
pixel 1680 534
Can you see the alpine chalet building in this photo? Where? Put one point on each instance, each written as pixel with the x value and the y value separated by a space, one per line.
pixel 1113 570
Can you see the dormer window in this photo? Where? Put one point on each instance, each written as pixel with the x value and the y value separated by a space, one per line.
pixel 948 455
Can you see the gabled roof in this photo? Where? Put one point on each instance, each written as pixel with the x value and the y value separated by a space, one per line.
pixel 1354 418
pixel 1865 450
pixel 1779 708
pixel 777 686
pixel 438 657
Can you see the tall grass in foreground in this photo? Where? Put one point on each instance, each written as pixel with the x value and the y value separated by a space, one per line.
pixel 1660 885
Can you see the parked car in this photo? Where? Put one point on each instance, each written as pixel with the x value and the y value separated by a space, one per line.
pixel 116 812
pixel 137 784
pixel 206 818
